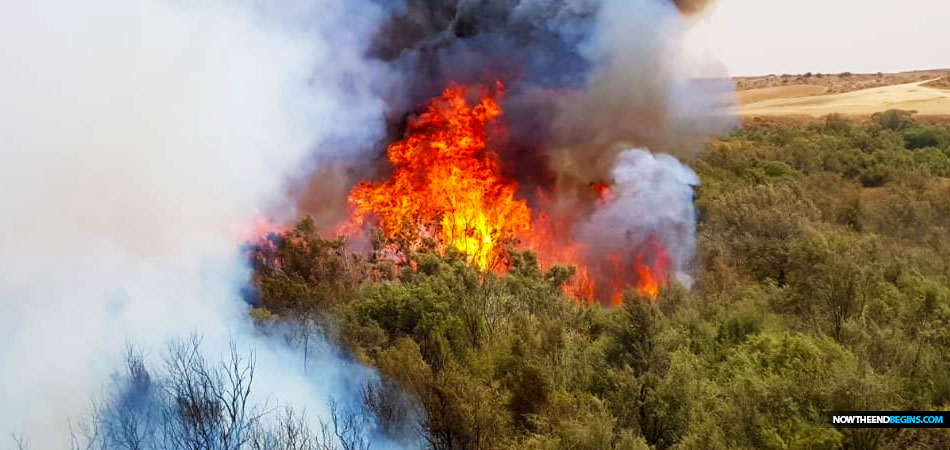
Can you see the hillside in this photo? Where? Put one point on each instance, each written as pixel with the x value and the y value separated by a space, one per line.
pixel 925 92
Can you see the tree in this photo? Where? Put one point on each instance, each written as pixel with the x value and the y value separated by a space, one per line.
pixel 192 404
pixel 833 275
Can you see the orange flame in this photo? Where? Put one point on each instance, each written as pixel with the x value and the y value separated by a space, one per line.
pixel 651 277
pixel 598 275
pixel 547 239
pixel 446 186
pixel 446 182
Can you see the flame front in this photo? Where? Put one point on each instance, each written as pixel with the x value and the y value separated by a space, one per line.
pixel 446 186
pixel 446 183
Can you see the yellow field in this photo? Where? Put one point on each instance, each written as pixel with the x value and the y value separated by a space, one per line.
pixel 812 100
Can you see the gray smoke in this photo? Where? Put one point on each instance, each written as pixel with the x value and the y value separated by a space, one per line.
pixel 585 79
pixel 640 90
pixel 139 139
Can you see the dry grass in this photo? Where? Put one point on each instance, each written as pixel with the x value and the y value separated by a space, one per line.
pixel 942 83
pixel 927 97
pixel 791 91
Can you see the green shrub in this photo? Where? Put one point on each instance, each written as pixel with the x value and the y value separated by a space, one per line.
pixel 821 283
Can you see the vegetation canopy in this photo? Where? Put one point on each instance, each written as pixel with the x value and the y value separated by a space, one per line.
pixel 823 283
pixel 823 280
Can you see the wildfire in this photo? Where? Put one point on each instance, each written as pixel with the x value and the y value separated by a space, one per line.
pixel 446 186
pixel 446 182
pixel 654 275
pixel 598 275
pixel 547 239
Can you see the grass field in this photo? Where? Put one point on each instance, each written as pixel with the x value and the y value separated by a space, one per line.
pixel 926 93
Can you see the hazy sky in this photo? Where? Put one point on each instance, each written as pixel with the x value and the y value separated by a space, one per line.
pixel 753 37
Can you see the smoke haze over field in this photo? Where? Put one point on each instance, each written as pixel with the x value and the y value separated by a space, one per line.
pixel 138 137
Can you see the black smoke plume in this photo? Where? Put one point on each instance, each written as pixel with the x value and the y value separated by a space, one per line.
pixel 585 80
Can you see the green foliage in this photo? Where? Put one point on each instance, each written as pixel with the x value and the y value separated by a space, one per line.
pixel 894 119
pixel 917 138
pixel 825 268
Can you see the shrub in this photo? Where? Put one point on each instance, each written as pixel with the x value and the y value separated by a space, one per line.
pixel 894 119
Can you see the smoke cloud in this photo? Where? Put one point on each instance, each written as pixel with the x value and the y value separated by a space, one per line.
pixel 585 79
pixel 640 90
pixel 138 137
pixel 651 198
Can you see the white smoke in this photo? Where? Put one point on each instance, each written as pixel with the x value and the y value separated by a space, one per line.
pixel 651 195
pixel 137 137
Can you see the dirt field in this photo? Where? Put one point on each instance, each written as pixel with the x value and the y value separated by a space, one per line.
pixel 855 95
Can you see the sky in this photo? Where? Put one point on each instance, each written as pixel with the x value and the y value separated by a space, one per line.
pixel 760 37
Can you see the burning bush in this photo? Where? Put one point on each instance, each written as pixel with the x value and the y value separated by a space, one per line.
pixel 446 183
pixel 446 187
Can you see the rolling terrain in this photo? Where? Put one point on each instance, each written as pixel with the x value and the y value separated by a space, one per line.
pixel 926 93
